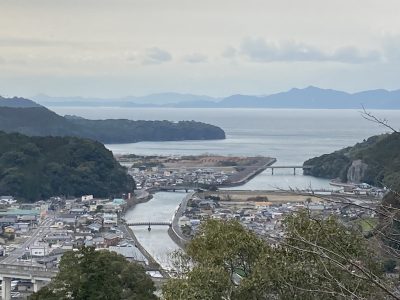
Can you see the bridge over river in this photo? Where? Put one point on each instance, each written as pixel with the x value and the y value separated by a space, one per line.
pixel 149 224
pixel 305 167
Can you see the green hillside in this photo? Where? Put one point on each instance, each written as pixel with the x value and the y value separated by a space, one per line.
pixel 34 168
pixel 17 116
pixel 380 154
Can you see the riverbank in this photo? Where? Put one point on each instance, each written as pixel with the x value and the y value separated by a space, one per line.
pixel 175 231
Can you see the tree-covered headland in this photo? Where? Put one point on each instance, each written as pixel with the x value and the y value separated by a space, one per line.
pixel 34 168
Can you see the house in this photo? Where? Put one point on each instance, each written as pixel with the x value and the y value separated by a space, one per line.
pixel 28 218
pixel 58 237
pixel 110 220
pixel 77 211
pixel 111 239
pixel 38 251
pixel 67 219
pixel 7 200
pixel 22 226
pixel 97 242
pixel 94 227
pixel 87 197
pixel 7 221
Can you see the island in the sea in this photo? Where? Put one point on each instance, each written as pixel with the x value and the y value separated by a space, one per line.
pixel 27 117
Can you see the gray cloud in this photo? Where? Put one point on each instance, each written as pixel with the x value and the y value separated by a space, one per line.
pixel 259 50
pixel 352 54
pixel 229 52
pixel 156 56
pixel 195 58
pixel 391 46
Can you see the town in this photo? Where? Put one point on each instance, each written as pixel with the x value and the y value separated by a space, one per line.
pixel 36 235
pixel 263 211
pixel 174 172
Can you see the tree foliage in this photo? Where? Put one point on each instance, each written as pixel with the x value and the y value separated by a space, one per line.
pixel 39 121
pixel 380 153
pixel 36 168
pixel 89 275
pixel 316 259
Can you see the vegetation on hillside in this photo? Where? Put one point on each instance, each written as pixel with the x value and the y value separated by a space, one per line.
pixel 93 275
pixel 380 153
pixel 34 168
pixel 316 259
pixel 39 121
pixel 127 131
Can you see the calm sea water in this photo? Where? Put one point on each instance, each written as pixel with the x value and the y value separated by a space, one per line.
pixel 290 135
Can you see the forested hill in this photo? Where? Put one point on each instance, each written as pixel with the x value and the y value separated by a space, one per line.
pixel 375 161
pixel 39 121
pixel 34 168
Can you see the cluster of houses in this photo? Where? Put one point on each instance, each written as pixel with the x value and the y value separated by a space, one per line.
pixel 18 218
pixel 264 217
pixel 147 178
pixel 74 223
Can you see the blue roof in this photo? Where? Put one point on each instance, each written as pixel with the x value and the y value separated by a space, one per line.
pixel 119 201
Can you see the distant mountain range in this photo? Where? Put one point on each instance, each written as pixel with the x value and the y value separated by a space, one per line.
pixel 27 117
pixel 310 97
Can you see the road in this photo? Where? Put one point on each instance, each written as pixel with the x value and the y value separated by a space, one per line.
pixel 175 220
pixel 36 235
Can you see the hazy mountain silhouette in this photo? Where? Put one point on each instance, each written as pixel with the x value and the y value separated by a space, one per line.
pixel 310 97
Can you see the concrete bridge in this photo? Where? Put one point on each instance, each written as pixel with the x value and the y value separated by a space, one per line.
pixel 288 167
pixel 174 188
pixel 149 224
pixel 39 276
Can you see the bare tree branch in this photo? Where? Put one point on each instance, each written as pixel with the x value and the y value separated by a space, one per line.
pixel 370 117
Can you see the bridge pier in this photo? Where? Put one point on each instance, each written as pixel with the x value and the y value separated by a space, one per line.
pixel 37 285
pixel 272 171
pixel 294 171
pixel 6 288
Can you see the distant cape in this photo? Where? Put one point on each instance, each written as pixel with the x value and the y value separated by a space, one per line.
pixel 310 97
pixel 27 117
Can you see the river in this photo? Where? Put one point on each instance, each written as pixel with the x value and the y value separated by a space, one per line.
pixel 290 135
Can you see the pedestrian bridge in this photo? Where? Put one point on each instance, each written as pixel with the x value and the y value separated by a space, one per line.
pixel 149 224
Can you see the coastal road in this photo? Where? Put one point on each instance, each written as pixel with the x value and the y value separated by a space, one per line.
pixel 175 220
pixel 36 235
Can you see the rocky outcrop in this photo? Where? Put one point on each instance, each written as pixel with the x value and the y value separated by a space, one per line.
pixel 356 171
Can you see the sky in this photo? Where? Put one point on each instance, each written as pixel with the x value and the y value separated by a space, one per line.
pixel 114 48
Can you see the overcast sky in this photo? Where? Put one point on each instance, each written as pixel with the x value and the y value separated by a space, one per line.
pixel 112 48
